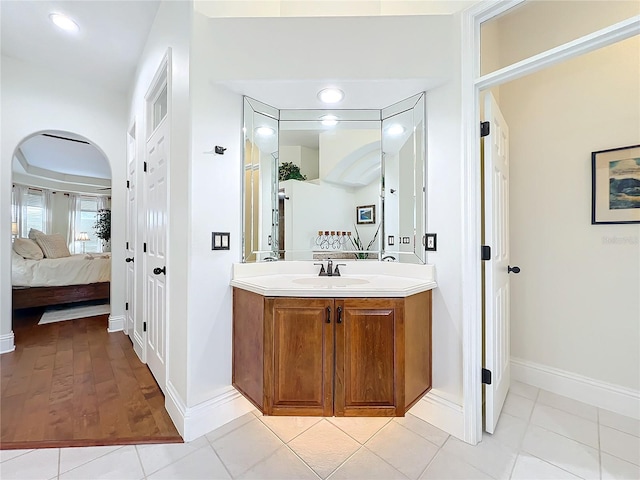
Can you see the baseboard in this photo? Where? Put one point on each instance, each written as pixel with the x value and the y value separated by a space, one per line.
pixel 440 412
pixel 116 323
pixel 193 422
pixel 615 398
pixel 7 343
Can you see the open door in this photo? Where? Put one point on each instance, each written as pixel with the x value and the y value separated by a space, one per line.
pixel 496 268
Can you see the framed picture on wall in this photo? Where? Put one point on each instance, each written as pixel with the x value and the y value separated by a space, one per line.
pixel 615 189
pixel 366 214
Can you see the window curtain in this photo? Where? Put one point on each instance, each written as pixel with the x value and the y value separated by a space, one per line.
pixel 74 207
pixel 47 214
pixel 18 209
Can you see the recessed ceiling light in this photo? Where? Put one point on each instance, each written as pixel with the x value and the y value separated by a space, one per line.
pixel 329 120
pixel 395 129
pixel 64 22
pixel 330 95
pixel 265 131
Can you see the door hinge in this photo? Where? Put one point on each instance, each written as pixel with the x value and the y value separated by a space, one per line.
pixel 126 306
pixel 127 247
pixel 486 376
pixel 484 129
pixel 127 183
pixel 144 326
pixel 485 252
pixel 144 166
pixel 144 247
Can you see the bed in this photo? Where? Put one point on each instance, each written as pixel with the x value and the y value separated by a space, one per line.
pixel 53 281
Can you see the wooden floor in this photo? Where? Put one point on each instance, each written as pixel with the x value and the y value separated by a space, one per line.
pixel 73 384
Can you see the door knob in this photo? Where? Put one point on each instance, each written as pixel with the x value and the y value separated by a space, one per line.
pixel 128 259
pixel 159 270
pixel 513 269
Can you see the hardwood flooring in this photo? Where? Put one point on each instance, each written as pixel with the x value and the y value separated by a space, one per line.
pixel 73 384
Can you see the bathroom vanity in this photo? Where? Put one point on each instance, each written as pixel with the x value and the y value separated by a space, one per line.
pixel 354 345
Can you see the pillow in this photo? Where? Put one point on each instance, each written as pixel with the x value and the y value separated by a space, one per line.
pixel 33 233
pixel 27 248
pixel 53 246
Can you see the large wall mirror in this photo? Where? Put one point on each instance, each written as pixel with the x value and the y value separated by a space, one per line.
pixel 334 183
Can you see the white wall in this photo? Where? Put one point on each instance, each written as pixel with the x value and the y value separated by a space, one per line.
pixel 36 99
pixel 576 304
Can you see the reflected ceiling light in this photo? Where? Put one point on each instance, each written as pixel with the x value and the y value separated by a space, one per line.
pixel 64 22
pixel 330 95
pixel 265 131
pixel 329 120
pixel 395 129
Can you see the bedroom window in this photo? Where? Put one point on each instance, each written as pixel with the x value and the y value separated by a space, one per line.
pixel 29 209
pixel 87 215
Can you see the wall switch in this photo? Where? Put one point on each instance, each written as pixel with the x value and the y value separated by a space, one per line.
pixel 391 240
pixel 406 240
pixel 430 242
pixel 220 240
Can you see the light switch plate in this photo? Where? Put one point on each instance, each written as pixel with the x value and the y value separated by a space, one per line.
pixel 406 240
pixel 391 240
pixel 220 240
pixel 430 242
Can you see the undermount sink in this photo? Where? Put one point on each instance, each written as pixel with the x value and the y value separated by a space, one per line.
pixel 330 281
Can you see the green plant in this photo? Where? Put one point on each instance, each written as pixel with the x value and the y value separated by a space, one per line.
pixel 103 225
pixel 357 243
pixel 290 171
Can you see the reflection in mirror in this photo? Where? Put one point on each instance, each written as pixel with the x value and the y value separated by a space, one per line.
pixel 314 183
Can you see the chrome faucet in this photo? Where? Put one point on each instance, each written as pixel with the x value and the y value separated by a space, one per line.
pixel 329 267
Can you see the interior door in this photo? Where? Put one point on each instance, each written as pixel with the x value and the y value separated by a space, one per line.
pixel 130 239
pixel 496 274
pixel 155 251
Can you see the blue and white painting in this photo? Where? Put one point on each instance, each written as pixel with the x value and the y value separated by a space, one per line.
pixel 624 184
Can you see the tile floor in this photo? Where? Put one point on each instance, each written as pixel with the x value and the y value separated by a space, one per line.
pixel 540 436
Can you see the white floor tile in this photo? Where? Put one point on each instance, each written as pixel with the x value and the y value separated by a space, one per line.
pixel 287 428
pixel 71 458
pixel 155 457
pixel 518 406
pixel 365 465
pixel 620 444
pixel 619 422
pixel 202 464
pixel 614 468
pixel 230 426
pixel 282 465
pixel 360 429
pixel 567 454
pixel 37 464
pixel 121 464
pixel 422 428
pixel 324 447
pixel 576 428
pixel 568 405
pixel 509 431
pixel 405 450
pixel 9 454
pixel 524 390
pixel 449 467
pixel 532 468
pixel 245 446
pixel 488 456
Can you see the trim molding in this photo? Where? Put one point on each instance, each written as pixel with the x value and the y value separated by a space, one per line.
pixel 7 343
pixel 192 422
pixel 615 398
pixel 116 323
pixel 441 412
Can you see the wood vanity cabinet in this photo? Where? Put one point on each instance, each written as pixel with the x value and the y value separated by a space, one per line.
pixel 332 356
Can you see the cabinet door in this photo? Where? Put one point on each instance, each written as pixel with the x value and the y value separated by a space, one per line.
pixel 369 363
pixel 302 357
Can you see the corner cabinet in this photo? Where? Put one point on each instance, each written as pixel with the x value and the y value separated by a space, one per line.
pixel 332 356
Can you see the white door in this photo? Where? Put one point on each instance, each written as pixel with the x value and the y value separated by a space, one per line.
pixel 130 239
pixel 155 257
pixel 496 235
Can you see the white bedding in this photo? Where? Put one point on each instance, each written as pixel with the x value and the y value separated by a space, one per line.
pixel 55 272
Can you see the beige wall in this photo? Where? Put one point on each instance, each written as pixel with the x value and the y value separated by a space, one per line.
pixel 576 304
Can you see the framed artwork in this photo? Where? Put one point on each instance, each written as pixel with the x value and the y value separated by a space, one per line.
pixel 615 188
pixel 366 214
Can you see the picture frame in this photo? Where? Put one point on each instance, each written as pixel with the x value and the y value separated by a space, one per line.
pixel 366 214
pixel 615 185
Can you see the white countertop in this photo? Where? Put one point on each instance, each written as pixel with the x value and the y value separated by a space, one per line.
pixel 358 279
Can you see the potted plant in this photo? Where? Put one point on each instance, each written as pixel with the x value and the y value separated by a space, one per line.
pixel 290 171
pixel 103 228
